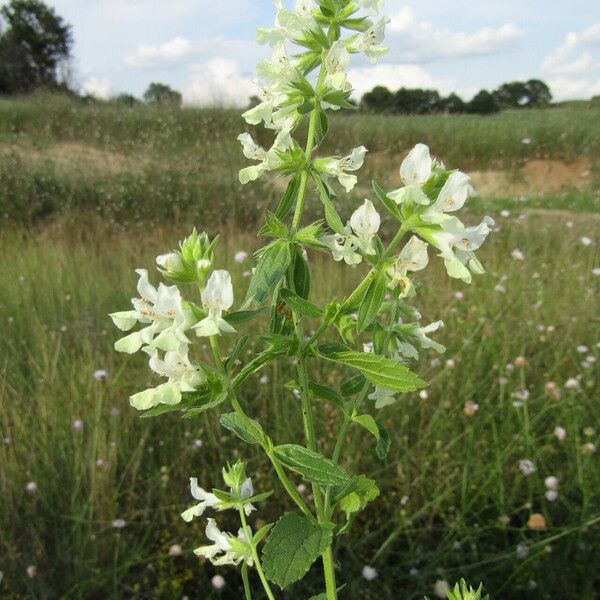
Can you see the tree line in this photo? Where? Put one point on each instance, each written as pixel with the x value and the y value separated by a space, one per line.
pixel 517 94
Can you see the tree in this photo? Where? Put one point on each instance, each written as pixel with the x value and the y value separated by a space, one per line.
pixel 523 94
pixel 539 93
pixel 34 46
pixel 159 93
pixel 453 104
pixel 483 103
pixel 416 101
pixel 126 99
pixel 378 100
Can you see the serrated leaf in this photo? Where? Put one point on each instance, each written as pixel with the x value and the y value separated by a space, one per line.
pixel 270 269
pixel 303 307
pixel 249 430
pixel 311 465
pixel 381 371
pixel 389 204
pixel 288 198
pixel 372 301
pixel 294 544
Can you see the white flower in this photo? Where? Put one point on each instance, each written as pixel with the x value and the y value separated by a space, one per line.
pixel 451 198
pixel 413 257
pixel 207 500
pixel 586 241
pixel 369 573
pixel 560 433
pixel 338 167
pixel 175 550
pixel 526 467
pixel 31 571
pixel 572 384
pixel 383 397
pixel 269 160
pixel 517 254
pixel 551 495
pixel 413 333
pixel 225 549
pixel 415 171
pixel 343 248
pixel 31 488
pixel 369 41
pixel 365 222
pixel 170 262
pixel 551 482
pixel 218 582
pixel 100 374
pixel 217 297
pixel 373 6
pixel 119 524
pixel 522 551
pixel 583 349
pixel 336 62
pixel 240 256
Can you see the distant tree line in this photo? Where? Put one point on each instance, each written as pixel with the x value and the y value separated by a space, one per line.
pixel 517 94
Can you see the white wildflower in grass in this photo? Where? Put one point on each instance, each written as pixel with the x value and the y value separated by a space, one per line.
pixel 589 448
pixel 31 488
pixel 526 467
pixel 551 495
pixel 505 213
pixel 517 254
pixel 551 482
pixel 374 332
pixel 522 551
pixel 175 550
pixel 31 571
pixel 586 241
pixel 100 374
pixel 77 425
pixel 583 349
pixel 596 271
pixel 218 582
pixel 369 573
pixel 459 295
pixel 560 433
pixel 118 524
pixel 572 383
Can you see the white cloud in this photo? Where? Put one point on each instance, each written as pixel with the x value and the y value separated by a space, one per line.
pixel 393 76
pixel 99 87
pixel 575 57
pixel 161 55
pixel 421 41
pixel 218 82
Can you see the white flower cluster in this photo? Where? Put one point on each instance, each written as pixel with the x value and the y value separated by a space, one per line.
pixel 361 229
pixel 299 43
pixel 457 244
pixel 226 549
pixel 166 320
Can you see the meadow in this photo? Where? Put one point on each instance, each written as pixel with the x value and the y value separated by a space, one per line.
pixel 90 494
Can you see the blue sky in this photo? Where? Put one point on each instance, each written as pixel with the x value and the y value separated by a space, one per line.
pixel 207 48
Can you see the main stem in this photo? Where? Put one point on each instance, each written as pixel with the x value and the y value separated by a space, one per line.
pixel 304 381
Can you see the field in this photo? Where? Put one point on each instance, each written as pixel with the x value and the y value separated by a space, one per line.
pixel 88 192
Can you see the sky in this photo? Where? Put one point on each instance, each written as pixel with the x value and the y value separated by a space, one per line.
pixel 207 50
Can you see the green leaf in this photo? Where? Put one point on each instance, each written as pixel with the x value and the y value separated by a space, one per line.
pixel 381 371
pixel 301 275
pixel 239 348
pixel 372 301
pixel 292 547
pixel 188 400
pixel 216 401
pixel 365 490
pixel 331 214
pixel 391 206
pixel 322 127
pixel 249 430
pixel 242 316
pixel 353 385
pixel 340 99
pixel 271 267
pixel 326 393
pixel 311 465
pixel 303 307
pixel 288 198
pixel 259 536
pixel 379 432
pixel 273 227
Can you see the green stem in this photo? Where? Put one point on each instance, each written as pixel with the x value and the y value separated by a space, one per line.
pixel 237 407
pixel 257 564
pixel 247 591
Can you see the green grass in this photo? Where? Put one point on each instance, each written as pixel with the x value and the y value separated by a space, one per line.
pixel 59 154
pixel 91 191
pixel 467 506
